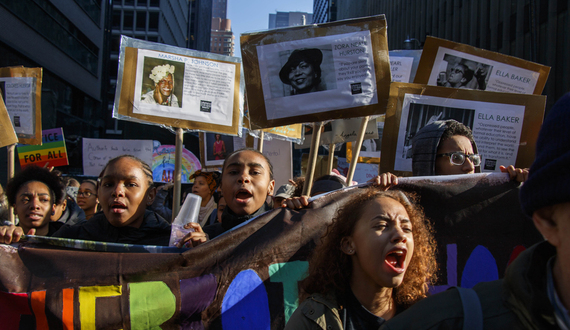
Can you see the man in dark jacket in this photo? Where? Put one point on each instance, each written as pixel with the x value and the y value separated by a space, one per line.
pixel 535 293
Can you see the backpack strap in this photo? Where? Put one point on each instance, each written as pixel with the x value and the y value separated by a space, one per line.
pixel 472 312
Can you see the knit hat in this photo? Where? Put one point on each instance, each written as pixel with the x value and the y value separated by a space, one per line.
pixel 212 178
pixel 548 180
pixel 424 147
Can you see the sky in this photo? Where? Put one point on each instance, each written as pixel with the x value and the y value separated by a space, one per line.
pixel 253 15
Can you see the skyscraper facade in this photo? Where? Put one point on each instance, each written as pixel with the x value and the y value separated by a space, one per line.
pixel 533 30
pixel 294 18
pixel 222 38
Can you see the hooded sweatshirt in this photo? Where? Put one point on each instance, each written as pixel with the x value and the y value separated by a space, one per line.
pixel 424 148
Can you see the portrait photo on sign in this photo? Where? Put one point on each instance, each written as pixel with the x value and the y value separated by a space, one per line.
pixel 302 71
pixel 421 115
pixel 162 82
pixel 459 72
pixel 217 147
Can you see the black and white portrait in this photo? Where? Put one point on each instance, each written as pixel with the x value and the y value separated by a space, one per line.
pixel 463 73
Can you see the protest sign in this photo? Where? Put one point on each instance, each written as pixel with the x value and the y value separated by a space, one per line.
pixel 345 66
pixel 249 277
pixel 21 90
pixel 450 64
pixel 339 131
pixel 370 151
pixel 216 147
pixel 178 87
pixel 51 152
pixel 404 64
pixel 97 152
pixel 280 153
pixel 363 173
pixel 290 132
pixel 505 125
pixel 163 163
pixel 7 134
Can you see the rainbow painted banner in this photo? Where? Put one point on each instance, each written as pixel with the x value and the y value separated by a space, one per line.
pixel 163 164
pixel 248 278
pixel 52 151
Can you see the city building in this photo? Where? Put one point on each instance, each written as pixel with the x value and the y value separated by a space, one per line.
pixel 178 23
pixel 284 19
pixel 219 8
pixel 66 39
pixel 533 30
pixel 324 11
pixel 222 38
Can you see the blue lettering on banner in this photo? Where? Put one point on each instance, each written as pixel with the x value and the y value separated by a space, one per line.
pixel 480 267
pixel 245 304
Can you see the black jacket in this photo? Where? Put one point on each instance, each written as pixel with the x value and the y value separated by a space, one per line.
pixel 153 231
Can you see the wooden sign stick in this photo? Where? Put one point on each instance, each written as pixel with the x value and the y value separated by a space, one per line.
pixel 356 150
pixel 315 142
pixel 260 142
pixel 331 157
pixel 11 166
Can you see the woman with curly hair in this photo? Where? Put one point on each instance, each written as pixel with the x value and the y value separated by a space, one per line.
pixel 376 259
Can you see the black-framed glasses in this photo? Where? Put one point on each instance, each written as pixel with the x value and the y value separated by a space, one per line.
pixel 85 194
pixel 458 158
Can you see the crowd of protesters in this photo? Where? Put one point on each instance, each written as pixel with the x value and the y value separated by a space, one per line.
pixel 377 258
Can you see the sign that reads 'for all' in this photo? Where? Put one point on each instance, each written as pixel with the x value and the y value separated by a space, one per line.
pixel 52 151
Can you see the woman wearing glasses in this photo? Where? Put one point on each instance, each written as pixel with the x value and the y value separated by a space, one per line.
pixel 446 147
pixel 458 76
pixel 87 198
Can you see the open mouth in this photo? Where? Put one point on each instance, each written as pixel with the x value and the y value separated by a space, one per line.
pixel 243 195
pixel 395 259
pixel 35 216
pixel 118 207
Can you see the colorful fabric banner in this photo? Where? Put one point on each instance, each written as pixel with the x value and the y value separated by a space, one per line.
pixel 248 278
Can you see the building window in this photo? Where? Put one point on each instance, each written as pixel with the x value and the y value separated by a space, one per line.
pixel 141 3
pixel 153 21
pixel 129 2
pixel 154 3
pixel 141 20
pixel 116 20
pixel 128 20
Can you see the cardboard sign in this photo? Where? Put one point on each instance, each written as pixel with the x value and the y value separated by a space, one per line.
pixel 248 278
pixel 178 87
pixel 340 131
pixel 370 151
pixel 450 64
pixel 21 89
pixel 51 152
pixel 7 134
pixel 404 64
pixel 163 163
pixel 505 126
pixel 97 152
pixel 290 132
pixel 316 72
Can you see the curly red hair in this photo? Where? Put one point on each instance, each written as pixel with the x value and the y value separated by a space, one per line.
pixel 330 269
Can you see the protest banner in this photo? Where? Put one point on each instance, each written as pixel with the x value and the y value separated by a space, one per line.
pixel 97 152
pixel 505 125
pixel 404 64
pixel 450 64
pixel 21 89
pixel 280 153
pixel 203 91
pixel 370 150
pixel 339 131
pixel 51 152
pixel 363 173
pixel 163 163
pixel 7 133
pixel 346 67
pixel 249 277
